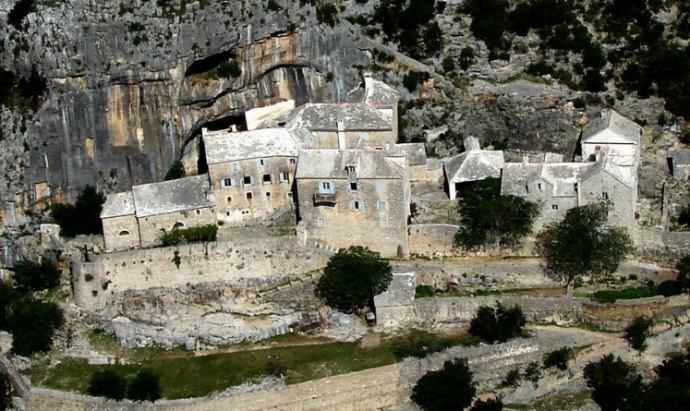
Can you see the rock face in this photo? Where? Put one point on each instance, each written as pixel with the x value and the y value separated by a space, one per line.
pixel 130 83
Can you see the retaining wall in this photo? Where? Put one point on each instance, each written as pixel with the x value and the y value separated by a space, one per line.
pixel 661 247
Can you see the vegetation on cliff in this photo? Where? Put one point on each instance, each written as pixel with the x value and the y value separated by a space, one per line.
pixel 82 217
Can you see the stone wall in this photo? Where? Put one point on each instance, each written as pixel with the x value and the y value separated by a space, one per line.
pixel 263 259
pixel 615 317
pixel 431 238
pixel 661 247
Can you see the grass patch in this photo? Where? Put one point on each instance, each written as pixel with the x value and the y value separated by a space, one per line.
pixel 611 296
pixel 423 291
pixel 183 375
pixel 419 343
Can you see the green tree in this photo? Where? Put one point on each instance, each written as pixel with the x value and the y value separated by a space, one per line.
pixel 82 217
pixel 7 296
pixel 498 324
pixel 107 383
pixel 489 218
pixel 450 388
pixel 637 332
pixel 33 323
pixel 558 358
pixel 145 386
pixel 615 385
pixel 581 244
pixel 176 171
pixel 30 276
pixel 683 272
pixel 352 278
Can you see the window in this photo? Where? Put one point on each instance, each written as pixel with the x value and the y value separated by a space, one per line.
pixel 266 179
pixel 226 182
pixel 261 162
pixel 124 233
pixel 356 205
pixel 383 223
pixel 235 166
pixel 365 136
pixel 229 200
pixel 289 195
pixel 382 205
pixel 249 196
pixel 554 206
pixel 248 180
pixel 354 186
pixel 293 161
pixel 198 212
pixel 381 187
pixel 604 196
pixel 540 187
pixel 284 177
pixel 321 222
pixel 268 193
pixel 323 134
pixel 350 169
pixel 326 187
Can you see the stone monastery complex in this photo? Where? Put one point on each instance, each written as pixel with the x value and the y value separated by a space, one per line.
pixel 338 170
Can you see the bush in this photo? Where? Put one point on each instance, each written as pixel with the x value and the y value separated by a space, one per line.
pixel 83 217
pixel 637 332
pixel 424 291
pixel 466 58
pixel 448 64
pixel 107 383
pixel 229 69
pixel 492 404
pixel 498 324
pixel 669 288
pixel 7 296
pixel 512 379
pixel 412 79
pixel 558 358
pixel 450 388
pixel 33 324
pixel 30 276
pixel 176 171
pixel 19 11
pixel 611 296
pixel 201 234
pixel 5 393
pixel 326 14
pixel 145 386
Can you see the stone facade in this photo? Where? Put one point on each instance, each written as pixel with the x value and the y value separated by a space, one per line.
pixel 367 205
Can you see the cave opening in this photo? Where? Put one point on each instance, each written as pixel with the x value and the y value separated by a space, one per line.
pixel 209 63
pixel 239 121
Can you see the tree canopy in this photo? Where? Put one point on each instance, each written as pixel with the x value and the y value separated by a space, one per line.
pixel 581 244
pixel 145 386
pixel 490 218
pixel 498 324
pixel 82 217
pixel 33 323
pixel 30 276
pixel 450 388
pixel 176 171
pixel 109 384
pixel 637 332
pixel 352 278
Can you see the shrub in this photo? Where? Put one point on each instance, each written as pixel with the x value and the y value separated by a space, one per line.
pixel 201 234
pixel 273 5
pixel 492 404
pixel 466 57
pixel 532 372
pixel 637 332
pixel 33 324
pixel 145 386
pixel 82 217
pixel 326 14
pixel 423 291
pixel 276 367
pixel 448 64
pixel 107 383
pixel 413 78
pixel 229 69
pixel 30 276
pixel 450 388
pixel 669 288
pixel 176 171
pixel 512 379
pixel 611 296
pixel 498 324
pixel 558 358
pixel 19 11
pixel 7 296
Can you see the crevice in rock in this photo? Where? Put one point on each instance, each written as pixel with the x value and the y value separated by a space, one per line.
pixel 209 63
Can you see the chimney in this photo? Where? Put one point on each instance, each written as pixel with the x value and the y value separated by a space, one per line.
pixel 341 134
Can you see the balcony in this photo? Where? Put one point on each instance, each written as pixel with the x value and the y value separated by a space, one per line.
pixel 322 198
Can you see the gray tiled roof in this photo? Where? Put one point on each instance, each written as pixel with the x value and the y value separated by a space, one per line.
pixel 626 175
pixel 183 194
pixel 118 204
pixel 324 117
pixel 415 153
pixel 370 164
pixel 223 146
pixel 516 176
pixel 400 291
pixel 379 93
pixel 617 123
pixel 474 165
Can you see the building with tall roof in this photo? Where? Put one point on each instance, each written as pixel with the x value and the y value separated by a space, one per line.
pixel 474 164
pixel 354 197
pixel 611 129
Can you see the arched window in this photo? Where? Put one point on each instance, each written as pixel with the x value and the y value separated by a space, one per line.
pixel 123 233
pixel 178 224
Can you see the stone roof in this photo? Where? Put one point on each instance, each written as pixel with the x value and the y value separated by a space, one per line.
pixel 118 204
pixel 400 291
pixel 369 164
pixel 615 122
pixel 626 175
pixel 680 157
pixel 325 117
pixel 474 165
pixel 516 177
pixel 471 143
pixel 415 153
pixel 224 146
pixel 183 194
pixel 379 93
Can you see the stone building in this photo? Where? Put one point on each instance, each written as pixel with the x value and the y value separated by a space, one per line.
pixel 137 218
pixel 473 164
pixel 251 173
pixel 354 197
pixel 679 164
pixel 394 304
pixel 612 129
